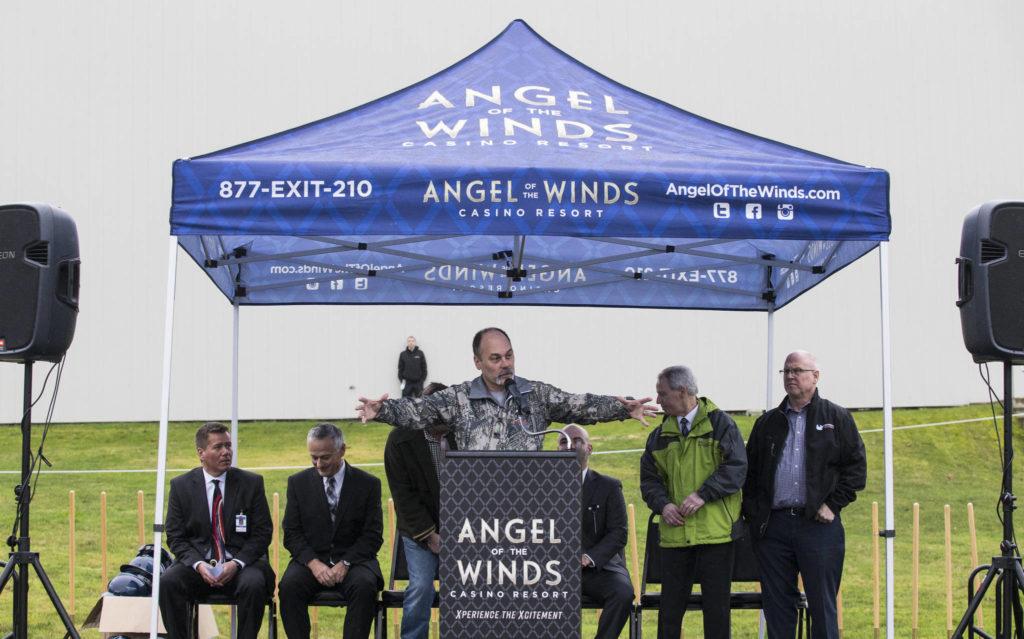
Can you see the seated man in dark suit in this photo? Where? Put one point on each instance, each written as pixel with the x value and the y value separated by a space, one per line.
pixel 333 527
pixel 605 577
pixel 218 527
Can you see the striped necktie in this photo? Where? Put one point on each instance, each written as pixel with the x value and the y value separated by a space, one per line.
pixel 217 523
pixel 332 497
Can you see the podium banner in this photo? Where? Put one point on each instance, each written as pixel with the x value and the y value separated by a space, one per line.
pixel 510 545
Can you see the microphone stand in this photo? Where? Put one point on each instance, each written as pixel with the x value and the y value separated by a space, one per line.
pixel 524 409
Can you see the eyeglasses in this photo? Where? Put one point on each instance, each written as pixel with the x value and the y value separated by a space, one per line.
pixel 796 371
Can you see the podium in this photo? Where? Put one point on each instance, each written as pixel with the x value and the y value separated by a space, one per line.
pixel 510 549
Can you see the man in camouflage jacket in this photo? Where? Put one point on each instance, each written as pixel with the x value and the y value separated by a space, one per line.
pixel 495 410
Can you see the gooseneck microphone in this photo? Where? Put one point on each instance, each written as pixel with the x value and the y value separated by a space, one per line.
pixel 513 391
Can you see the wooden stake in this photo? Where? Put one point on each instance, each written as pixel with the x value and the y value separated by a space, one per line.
pixel 635 576
pixel 277 538
pixel 103 541
pixel 949 573
pixel 142 519
pixel 391 540
pixel 875 562
pixel 915 587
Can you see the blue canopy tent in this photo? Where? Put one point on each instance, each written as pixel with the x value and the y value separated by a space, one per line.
pixel 519 176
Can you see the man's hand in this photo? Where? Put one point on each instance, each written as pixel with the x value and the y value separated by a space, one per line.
pixel 824 515
pixel 228 571
pixel 586 561
pixel 672 516
pixel 370 407
pixel 638 408
pixel 691 504
pixel 338 572
pixel 206 572
pixel 321 571
pixel 434 543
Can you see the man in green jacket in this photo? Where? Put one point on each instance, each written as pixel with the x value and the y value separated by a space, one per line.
pixel 691 473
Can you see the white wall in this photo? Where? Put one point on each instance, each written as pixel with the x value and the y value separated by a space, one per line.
pixel 97 99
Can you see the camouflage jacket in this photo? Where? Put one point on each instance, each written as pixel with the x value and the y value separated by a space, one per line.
pixel 480 423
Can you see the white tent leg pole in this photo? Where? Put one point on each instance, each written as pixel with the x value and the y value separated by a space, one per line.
pixel 165 407
pixel 234 424
pixel 769 374
pixel 890 524
pixel 234 388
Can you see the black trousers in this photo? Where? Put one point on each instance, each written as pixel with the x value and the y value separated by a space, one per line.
pixel 250 589
pixel 711 566
pixel 413 389
pixel 792 545
pixel 298 586
pixel 614 591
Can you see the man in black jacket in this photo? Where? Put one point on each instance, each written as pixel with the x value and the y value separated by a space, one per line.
pixel 605 577
pixel 412 368
pixel 411 460
pixel 806 462
pixel 333 527
pixel 203 500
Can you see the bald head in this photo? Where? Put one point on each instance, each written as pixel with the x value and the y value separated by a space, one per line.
pixel 580 440
pixel 800 377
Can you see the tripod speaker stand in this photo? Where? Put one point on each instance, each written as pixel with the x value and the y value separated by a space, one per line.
pixel 1005 570
pixel 19 561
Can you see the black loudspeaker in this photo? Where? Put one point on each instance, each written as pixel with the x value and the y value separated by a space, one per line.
pixel 39 278
pixel 991 282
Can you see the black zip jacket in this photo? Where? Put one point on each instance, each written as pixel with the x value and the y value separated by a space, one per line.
pixel 412 365
pixel 835 462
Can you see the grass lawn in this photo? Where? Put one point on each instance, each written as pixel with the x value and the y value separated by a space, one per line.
pixel 953 464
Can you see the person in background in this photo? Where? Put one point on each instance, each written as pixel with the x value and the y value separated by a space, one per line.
pixel 604 533
pixel 807 463
pixel 412 369
pixel 690 473
pixel 333 527
pixel 412 460
pixel 218 528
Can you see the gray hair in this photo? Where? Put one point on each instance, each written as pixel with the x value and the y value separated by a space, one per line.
pixel 680 377
pixel 327 430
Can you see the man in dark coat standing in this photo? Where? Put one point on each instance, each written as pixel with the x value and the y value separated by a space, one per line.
pixel 605 577
pixel 333 527
pixel 412 368
pixel 218 528
pixel 412 460
pixel 806 463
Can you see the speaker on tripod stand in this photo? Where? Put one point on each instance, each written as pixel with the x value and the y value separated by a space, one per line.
pixel 991 300
pixel 39 279
pixel 39 282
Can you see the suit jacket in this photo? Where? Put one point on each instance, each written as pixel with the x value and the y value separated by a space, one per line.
pixel 358 529
pixel 604 522
pixel 189 531
pixel 413 481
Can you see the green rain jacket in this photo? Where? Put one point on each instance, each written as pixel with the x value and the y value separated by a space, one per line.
pixel 711 461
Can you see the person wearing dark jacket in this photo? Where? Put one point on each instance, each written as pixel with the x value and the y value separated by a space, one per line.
pixel 806 463
pixel 412 368
pixel 605 577
pixel 203 500
pixel 411 461
pixel 333 527
pixel 690 473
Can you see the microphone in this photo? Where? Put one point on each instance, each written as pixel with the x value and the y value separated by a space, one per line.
pixel 513 392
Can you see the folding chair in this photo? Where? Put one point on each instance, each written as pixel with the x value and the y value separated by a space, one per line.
pixel 222 599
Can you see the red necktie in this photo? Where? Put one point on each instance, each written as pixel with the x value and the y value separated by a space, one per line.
pixel 217 523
